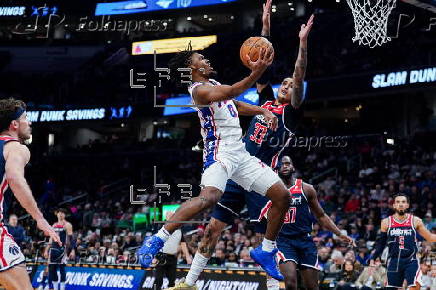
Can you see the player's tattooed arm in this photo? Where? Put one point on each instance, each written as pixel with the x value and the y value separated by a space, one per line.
pixel 301 65
pixel 324 220
pixel 423 231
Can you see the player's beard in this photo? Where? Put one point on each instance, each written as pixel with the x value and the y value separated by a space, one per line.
pixel 286 175
pixel 401 212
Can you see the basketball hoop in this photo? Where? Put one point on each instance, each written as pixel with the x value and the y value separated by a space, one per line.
pixel 371 21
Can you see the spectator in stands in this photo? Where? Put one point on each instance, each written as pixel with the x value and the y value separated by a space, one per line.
pixel 323 254
pixel 337 263
pixel 348 275
pixel 429 222
pixel 218 259
pixel 372 276
pixel 16 231
pixel 353 204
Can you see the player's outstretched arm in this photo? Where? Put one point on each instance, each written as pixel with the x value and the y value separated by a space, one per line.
pixel 17 156
pixel 301 65
pixel 324 220
pixel 245 109
pixel 263 81
pixel 266 18
pixel 206 94
pixel 422 230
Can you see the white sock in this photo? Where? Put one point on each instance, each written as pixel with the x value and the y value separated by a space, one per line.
pixel 62 286
pixel 272 284
pixel 268 245
pixel 198 264
pixel 163 234
pixel 55 285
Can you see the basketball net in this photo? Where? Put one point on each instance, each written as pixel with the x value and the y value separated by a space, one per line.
pixel 371 21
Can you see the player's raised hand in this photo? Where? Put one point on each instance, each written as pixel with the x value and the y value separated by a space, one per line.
pixel 270 119
pixel 266 17
pixel 265 59
pixel 43 225
pixel 305 28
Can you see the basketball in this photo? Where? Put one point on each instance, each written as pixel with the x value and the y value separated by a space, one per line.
pixel 252 47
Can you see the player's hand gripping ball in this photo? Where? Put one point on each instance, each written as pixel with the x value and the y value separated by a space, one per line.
pixel 252 48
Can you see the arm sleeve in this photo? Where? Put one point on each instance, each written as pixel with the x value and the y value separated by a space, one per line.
pixel 292 117
pixel 72 245
pixel 380 245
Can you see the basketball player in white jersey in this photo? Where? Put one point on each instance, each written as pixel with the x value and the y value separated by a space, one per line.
pixel 225 156
pixel 14 130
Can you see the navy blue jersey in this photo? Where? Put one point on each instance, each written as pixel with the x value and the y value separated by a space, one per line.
pixel 298 219
pixel 402 239
pixel 264 143
pixel 5 192
pixel 62 232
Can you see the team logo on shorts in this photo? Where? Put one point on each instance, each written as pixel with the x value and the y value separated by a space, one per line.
pixel 14 250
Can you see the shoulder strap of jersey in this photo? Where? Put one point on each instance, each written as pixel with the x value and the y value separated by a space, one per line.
pixel 411 220
pixel 266 104
pixel 389 222
pixel 299 184
pixel 8 138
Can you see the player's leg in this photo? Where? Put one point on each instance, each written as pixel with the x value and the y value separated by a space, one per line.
pixel 214 180
pixel 52 276
pixel 13 273
pixel 16 278
pixel 158 278
pixel 310 278
pixel 63 276
pixel 255 203
pixel 395 274
pixel 413 275
pixel 253 175
pixel 289 271
pixel 308 260
pixel 171 270
pixel 224 213
pixel 205 250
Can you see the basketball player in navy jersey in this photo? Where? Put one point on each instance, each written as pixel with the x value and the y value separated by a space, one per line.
pixel 262 142
pixel 295 244
pixel 56 254
pixel 399 233
pixel 15 130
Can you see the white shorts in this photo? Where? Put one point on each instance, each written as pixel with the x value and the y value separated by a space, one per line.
pixel 235 163
pixel 10 253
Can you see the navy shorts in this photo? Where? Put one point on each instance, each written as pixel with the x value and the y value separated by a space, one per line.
pixel 233 202
pixel 399 270
pixel 299 249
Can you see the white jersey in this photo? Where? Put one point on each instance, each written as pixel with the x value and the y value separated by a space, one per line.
pixel 220 126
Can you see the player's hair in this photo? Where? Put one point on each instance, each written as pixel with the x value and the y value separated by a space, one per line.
pixel 182 59
pixel 8 110
pixel 61 209
pixel 402 194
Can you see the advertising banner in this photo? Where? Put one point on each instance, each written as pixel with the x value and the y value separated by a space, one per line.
pixel 81 278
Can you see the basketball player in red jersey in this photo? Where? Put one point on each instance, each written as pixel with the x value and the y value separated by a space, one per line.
pixel 15 129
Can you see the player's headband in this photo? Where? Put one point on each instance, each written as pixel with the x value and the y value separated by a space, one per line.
pixel 17 114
